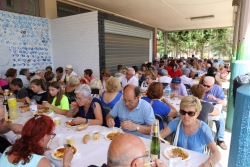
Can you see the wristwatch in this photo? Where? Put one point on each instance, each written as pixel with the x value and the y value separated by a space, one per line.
pixel 137 127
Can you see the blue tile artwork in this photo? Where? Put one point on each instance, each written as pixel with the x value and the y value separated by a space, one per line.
pixel 28 40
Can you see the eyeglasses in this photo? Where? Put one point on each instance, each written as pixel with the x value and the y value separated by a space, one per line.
pixel 208 86
pixel 144 156
pixel 52 135
pixel 190 113
pixel 2 121
pixel 79 98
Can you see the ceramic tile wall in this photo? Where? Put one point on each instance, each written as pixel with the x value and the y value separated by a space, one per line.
pixel 25 42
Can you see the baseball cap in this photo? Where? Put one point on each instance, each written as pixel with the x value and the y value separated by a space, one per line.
pixel 176 80
pixel 68 67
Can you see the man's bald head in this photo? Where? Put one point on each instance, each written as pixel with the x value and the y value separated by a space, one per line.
pixel 124 149
pixel 131 95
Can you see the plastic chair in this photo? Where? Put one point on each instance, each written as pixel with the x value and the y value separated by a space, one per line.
pixel 157 116
pixel 107 109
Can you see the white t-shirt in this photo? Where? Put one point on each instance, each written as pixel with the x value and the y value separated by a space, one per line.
pixel 72 73
pixel 165 79
pixel 131 81
pixel 186 80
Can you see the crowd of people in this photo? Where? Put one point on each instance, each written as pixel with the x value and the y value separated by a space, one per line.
pixel 134 96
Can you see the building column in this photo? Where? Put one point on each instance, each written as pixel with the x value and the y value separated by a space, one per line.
pixel 48 9
pixel 155 43
pixel 165 42
pixel 241 52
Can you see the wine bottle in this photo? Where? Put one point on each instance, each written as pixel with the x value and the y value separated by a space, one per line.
pixel 155 144
pixel 6 107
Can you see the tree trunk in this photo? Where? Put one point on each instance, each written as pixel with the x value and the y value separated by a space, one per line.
pixel 176 52
pixel 202 51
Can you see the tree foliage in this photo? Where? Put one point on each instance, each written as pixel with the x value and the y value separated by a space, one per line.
pixel 216 41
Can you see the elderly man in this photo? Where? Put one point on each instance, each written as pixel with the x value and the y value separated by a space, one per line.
pixel 128 154
pixel 129 78
pixel 69 72
pixel 164 77
pixel 4 128
pixel 178 89
pixel 185 77
pixel 214 93
pixel 24 75
pixel 136 115
pixel 38 75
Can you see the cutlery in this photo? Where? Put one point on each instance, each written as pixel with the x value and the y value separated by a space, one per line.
pixel 166 142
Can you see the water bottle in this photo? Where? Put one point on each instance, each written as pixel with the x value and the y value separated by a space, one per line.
pixel 12 106
pixel 168 91
pixel 33 106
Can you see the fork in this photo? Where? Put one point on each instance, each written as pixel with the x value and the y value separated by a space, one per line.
pixel 166 142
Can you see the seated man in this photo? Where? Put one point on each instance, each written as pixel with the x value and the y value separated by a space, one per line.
pixel 69 72
pixel 164 77
pixel 174 71
pixel 38 75
pixel 136 115
pixel 17 85
pixel 24 75
pixel 178 89
pixel 119 72
pixel 129 78
pixel 124 153
pixel 214 93
pixel 87 76
pixel 4 128
pixel 184 78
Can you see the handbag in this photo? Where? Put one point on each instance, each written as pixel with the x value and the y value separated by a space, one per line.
pixel 177 134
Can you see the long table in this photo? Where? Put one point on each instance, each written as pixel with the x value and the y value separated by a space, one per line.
pixel 94 152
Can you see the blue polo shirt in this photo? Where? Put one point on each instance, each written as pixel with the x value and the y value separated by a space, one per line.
pixel 217 92
pixel 143 114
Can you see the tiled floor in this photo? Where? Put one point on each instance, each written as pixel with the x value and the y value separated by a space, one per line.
pixel 225 153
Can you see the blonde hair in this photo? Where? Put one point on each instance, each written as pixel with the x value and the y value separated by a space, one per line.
pixel 113 85
pixel 74 80
pixel 95 83
pixel 191 101
pixel 150 73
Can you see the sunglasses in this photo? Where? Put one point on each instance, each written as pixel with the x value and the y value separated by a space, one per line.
pixel 208 86
pixel 190 113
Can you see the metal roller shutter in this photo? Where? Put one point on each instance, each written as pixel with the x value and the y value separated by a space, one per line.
pixel 125 50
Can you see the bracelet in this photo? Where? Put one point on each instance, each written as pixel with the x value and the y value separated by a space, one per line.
pixel 66 164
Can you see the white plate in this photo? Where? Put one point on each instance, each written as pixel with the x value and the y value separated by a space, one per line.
pixel 70 126
pixel 53 156
pixel 111 132
pixel 168 149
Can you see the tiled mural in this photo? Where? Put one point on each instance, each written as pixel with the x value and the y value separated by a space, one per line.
pixel 25 42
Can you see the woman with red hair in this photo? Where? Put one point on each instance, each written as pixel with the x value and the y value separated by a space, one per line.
pixel 29 150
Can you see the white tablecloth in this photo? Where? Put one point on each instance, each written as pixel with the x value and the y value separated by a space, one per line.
pixel 94 152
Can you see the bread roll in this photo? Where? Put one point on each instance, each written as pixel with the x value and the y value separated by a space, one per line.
pixel 81 127
pixel 86 138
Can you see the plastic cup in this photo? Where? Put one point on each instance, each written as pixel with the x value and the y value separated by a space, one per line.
pixel 70 140
pixel 55 79
pixel 44 102
pixel 60 140
pixel 57 121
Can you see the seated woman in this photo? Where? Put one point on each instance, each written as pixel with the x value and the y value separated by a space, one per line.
pixel 38 87
pixel 150 76
pixel 212 71
pixel 29 149
pixel 57 101
pixel 10 74
pixel 87 76
pixel 142 71
pixel 88 109
pixel 112 95
pixel 96 88
pixel 74 82
pixel 105 76
pixel 198 91
pixel 164 108
pixel 193 133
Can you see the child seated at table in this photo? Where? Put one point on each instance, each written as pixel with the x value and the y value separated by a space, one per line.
pixel 17 85
pixel 57 101
pixel 38 87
